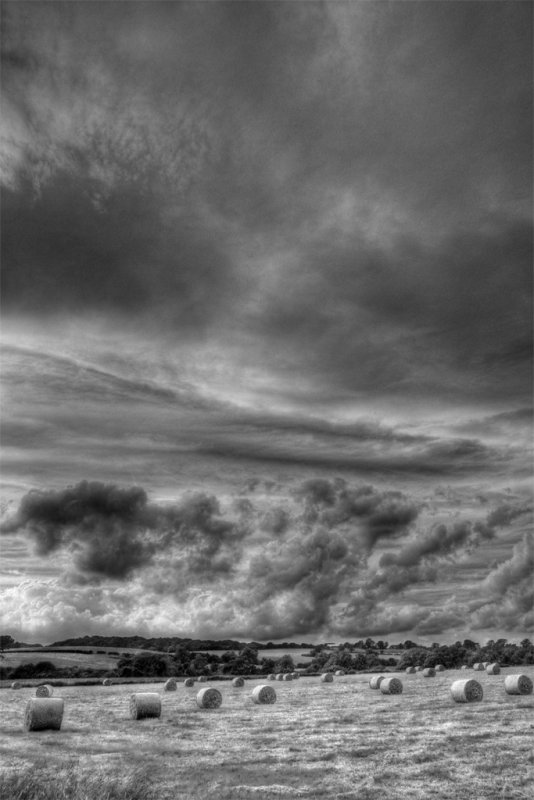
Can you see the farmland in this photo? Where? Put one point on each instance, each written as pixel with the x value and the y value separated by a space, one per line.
pixel 339 740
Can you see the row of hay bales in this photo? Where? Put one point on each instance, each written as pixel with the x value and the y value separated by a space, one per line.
pixel 429 672
pixel 462 691
pixel 46 712
pixel 283 676
pixel 327 677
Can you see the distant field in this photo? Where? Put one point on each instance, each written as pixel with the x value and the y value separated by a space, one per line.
pixel 340 740
pixel 296 653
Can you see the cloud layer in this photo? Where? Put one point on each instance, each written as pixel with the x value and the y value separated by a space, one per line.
pixel 345 560
pixel 339 193
pixel 272 263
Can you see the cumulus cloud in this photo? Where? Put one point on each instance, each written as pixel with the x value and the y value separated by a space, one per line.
pixel 378 514
pixel 304 566
pixel 112 531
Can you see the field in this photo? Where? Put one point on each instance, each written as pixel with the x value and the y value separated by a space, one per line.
pixel 339 740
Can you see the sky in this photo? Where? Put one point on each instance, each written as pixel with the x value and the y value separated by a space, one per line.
pixel 267 320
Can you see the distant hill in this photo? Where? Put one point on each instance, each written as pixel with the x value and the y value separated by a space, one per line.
pixel 171 642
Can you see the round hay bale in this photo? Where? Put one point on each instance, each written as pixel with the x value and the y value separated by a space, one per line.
pixel 339 672
pixel 327 677
pixel 264 694
pixel 280 676
pixel 464 666
pixel 16 685
pixel 517 684
pixel 295 675
pixel 391 686
pixel 468 691
pixel 43 713
pixel 429 672
pixel 439 668
pixel 209 698
pixel 375 681
pixel 44 690
pixel 145 704
pixel 288 676
pixel 485 664
pixel 478 666
pixel 107 682
pixel 238 682
pixel 271 676
pixel 418 668
pixel 410 670
pixel 493 669
pixel 189 682
pixel 202 679
pixel 170 685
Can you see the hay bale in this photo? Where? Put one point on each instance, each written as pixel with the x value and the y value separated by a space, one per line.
pixel 410 670
pixel 478 666
pixel 170 685
pixel 418 668
pixel 375 681
pixel 16 685
pixel 209 698
pixel 145 704
pixel 295 675
pixel 202 679
pixel 271 676
pixel 264 695
pixel 468 691
pixel 339 672
pixel 493 669
pixel 43 713
pixel 44 690
pixel 280 676
pixel 238 682
pixel 288 676
pixel 189 682
pixel 429 672
pixel 517 684
pixel 485 664
pixel 391 686
pixel 107 682
pixel 327 677
pixel 439 668
pixel 464 666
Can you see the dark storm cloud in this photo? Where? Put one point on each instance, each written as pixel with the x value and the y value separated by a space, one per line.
pixel 104 522
pixel 111 530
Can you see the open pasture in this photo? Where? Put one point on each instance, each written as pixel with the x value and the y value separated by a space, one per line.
pixel 61 660
pixel 337 740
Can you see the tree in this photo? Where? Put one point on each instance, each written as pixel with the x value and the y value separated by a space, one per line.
pixel 243 663
pixel 285 664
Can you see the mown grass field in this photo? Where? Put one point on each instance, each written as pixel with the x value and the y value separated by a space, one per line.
pixel 339 740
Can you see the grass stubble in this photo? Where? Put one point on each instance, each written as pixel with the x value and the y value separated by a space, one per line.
pixel 342 741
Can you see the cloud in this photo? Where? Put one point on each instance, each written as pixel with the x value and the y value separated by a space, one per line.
pixel 507 594
pixel 161 173
pixel 443 540
pixel 305 566
pixel 112 531
pixel 511 573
